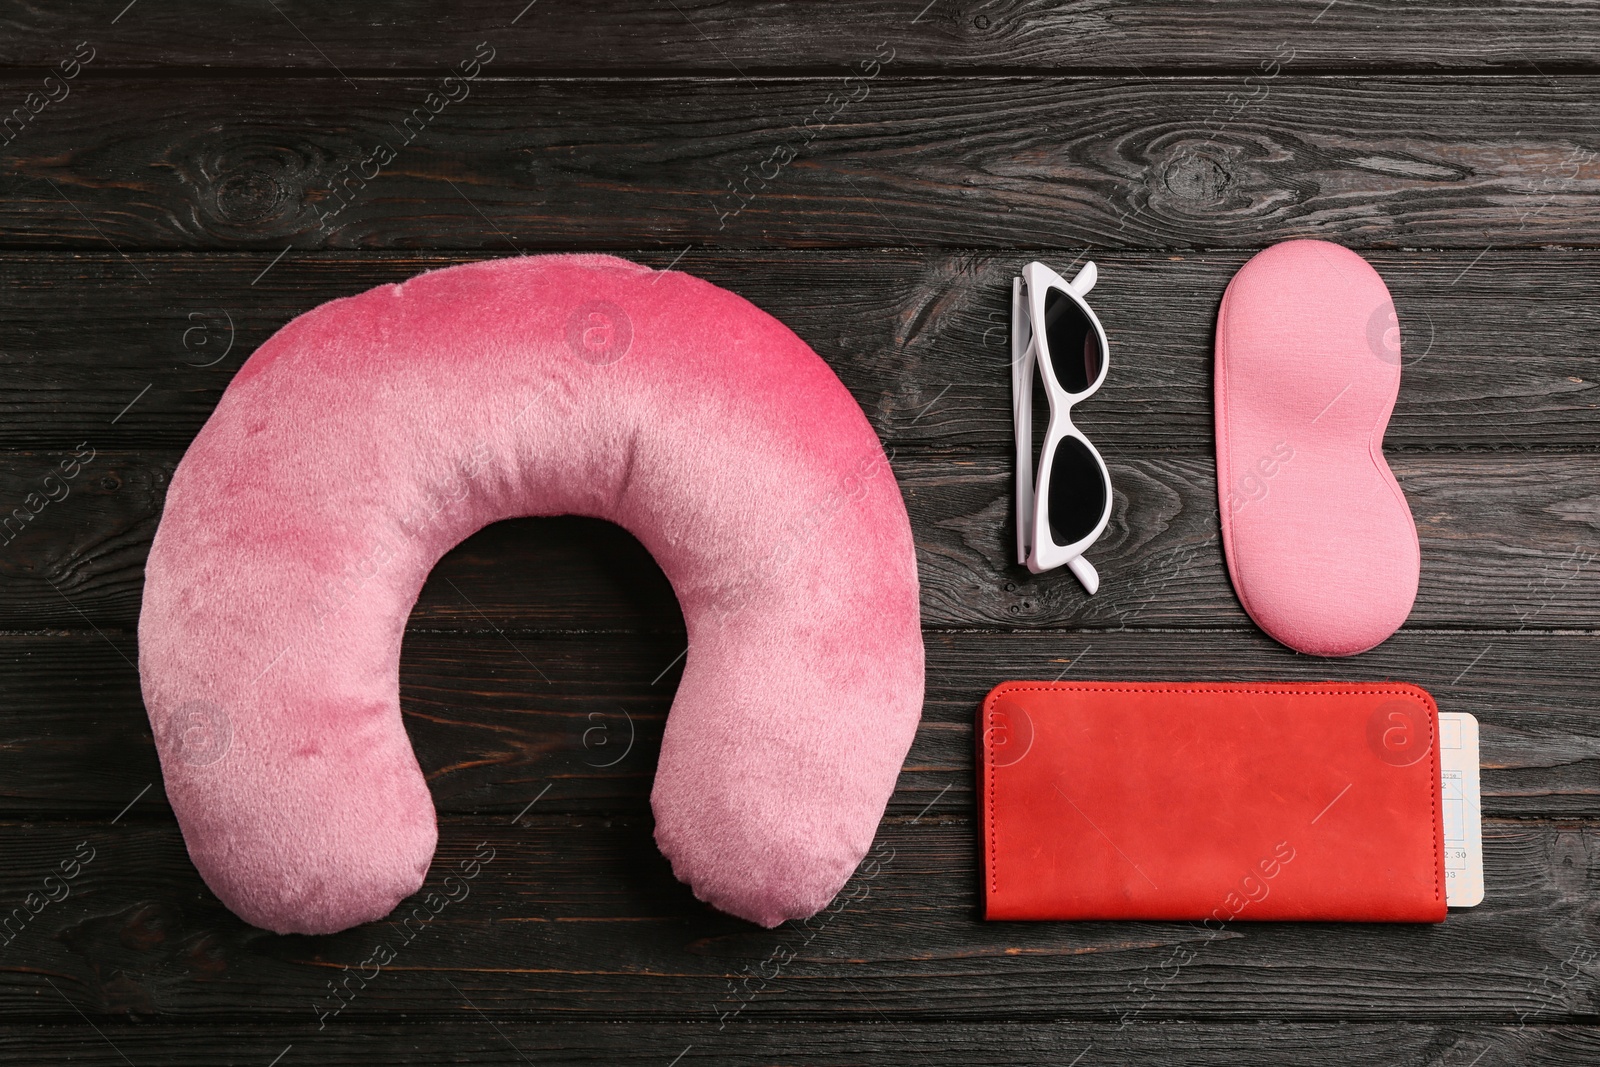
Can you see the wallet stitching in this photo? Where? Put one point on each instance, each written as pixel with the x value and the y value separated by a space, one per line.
pixel 988 770
pixel 1433 795
pixel 1054 687
pixel 1083 688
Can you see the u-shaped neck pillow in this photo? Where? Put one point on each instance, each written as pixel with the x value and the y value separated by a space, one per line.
pixel 372 434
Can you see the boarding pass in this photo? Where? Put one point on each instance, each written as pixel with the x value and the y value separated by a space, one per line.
pixel 1463 809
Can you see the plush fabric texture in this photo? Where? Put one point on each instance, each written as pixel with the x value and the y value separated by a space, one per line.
pixel 1320 542
pixel 371 434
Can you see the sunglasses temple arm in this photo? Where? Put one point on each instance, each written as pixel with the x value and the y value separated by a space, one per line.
pixel 1084 280
pixel 1085 573
pixel 1022 358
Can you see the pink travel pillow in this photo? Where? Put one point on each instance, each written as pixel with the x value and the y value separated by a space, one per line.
pixel 371 434
pixel 1320 542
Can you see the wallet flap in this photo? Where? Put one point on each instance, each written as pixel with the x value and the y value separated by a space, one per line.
pixel 1211 801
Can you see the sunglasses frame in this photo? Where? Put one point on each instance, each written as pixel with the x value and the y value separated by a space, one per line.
pixel 1030 348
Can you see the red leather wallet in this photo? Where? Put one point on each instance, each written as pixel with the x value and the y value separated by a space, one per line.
pixel 1102 800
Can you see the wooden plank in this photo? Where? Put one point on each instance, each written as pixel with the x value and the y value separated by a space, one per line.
pixel 530 164
pixel 1508 543
pixel 920 339
pixel 560 36
pixel 578 917
pixel 515 1041
pixel 1185 135
pixel 495 718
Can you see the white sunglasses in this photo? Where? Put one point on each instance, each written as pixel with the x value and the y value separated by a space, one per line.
pixel 1053 329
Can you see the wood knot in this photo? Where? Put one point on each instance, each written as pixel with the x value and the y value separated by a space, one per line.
pixel 1196 177
pixel 248 197
pixel 249 189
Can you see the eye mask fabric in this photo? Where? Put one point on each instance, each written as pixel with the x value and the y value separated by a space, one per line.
pixel 372 434
pixel 1320 542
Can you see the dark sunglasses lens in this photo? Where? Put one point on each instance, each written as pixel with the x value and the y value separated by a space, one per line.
pixel 1077 492
pixel 1074 344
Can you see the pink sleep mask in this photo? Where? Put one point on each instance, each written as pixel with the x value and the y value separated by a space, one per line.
pixel 372 434
pixel 1320 542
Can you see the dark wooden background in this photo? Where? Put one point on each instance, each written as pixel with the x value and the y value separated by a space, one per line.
pixel 165 217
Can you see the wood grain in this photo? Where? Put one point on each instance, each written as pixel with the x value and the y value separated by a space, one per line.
pixel 179 206
pixel 1508 544
pixel 1493 342
pixel 1179 164
pixel 494 718
pixel 578 917
pixel 700 36
pixel 516 1040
